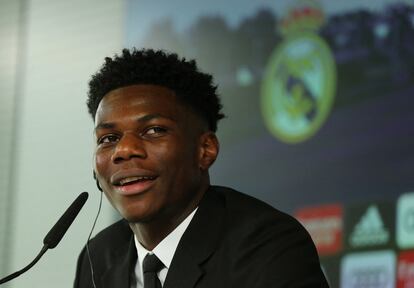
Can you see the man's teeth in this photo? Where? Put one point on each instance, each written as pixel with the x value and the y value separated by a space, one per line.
pixel 134 179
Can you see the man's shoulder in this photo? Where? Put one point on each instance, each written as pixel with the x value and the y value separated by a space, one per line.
pixel 254 232
pixel 240 203
pixel 244 211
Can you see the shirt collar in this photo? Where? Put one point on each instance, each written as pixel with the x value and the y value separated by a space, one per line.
pixel 166 248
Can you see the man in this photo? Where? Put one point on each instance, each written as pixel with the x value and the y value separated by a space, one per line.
pixel 155 119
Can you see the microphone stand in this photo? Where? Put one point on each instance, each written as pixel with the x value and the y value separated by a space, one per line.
pixel 18 273
pixel 55 234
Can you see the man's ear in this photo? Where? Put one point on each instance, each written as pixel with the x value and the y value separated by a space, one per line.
pixel 209 149
pixel 96 181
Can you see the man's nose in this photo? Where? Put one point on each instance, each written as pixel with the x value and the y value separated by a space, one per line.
pixel 129 146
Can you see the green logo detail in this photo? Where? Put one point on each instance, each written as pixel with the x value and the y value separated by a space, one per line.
pixel 298 87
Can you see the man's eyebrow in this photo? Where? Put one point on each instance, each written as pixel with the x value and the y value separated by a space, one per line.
pixel 105 125
pixel 142 119
pixel 149 117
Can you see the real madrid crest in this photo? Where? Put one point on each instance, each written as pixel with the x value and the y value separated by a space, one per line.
pixel 298 88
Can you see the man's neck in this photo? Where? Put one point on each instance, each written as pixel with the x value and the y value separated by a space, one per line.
pixel 151 233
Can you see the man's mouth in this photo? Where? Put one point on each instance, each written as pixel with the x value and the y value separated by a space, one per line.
pixel 134 179
pixel 134 185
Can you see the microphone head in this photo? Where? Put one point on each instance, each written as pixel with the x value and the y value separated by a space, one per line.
pixel 59 229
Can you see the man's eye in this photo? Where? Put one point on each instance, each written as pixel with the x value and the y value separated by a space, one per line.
pixel 155 131
pixel 108 139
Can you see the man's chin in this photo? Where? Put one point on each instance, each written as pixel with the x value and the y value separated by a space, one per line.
pixel 137 217
pixel 136 211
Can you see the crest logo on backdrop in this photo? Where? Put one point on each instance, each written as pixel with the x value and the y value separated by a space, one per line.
pixel 300 79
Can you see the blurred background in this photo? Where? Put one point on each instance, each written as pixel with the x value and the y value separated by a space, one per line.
pixel 318 97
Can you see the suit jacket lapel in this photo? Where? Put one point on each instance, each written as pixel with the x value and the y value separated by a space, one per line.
pixel 197 244
pixel 120 273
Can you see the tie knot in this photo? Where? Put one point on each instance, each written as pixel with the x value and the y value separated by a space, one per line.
pixel 152 264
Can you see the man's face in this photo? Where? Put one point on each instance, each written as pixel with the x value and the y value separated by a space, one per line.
pixel 148 152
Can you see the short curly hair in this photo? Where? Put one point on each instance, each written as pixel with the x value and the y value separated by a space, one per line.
pixel 156 67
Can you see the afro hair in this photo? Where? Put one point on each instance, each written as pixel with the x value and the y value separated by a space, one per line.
pixel 155 67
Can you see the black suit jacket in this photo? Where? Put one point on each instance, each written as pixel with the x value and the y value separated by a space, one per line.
pixel 233 240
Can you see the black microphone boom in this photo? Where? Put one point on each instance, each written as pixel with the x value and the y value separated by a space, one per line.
pixel 55 234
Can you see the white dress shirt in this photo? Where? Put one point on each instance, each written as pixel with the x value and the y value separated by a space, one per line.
pixel 164 251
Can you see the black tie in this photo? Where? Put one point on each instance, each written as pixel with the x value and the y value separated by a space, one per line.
pixel 151 266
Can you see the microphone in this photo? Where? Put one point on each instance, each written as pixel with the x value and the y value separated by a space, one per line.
pixel 55 234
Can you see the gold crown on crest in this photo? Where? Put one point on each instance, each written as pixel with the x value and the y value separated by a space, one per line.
pixel 304 15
